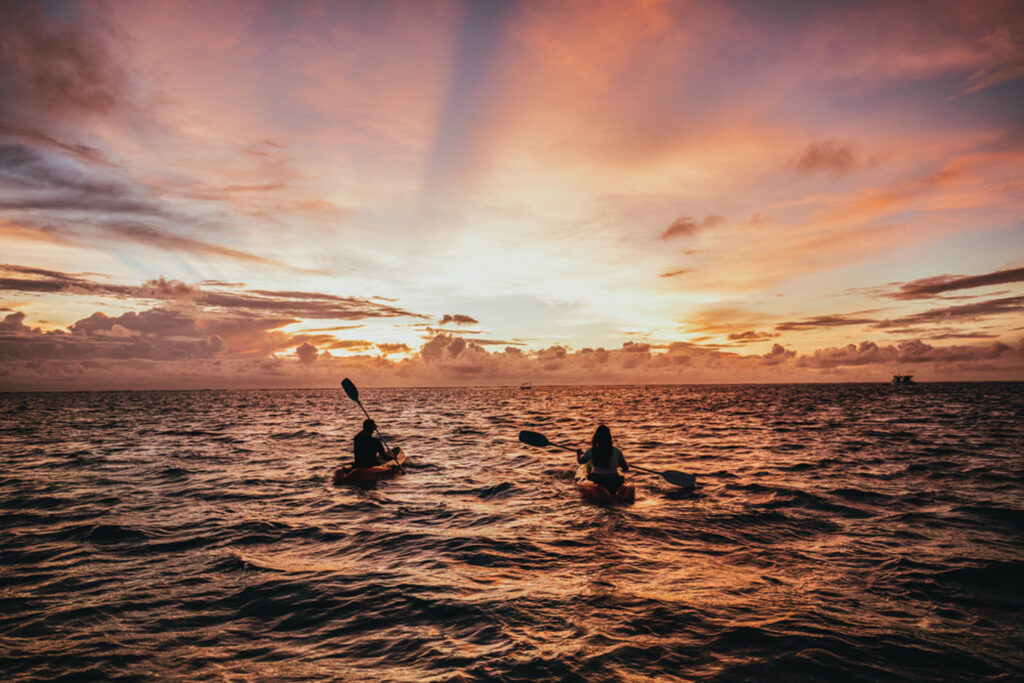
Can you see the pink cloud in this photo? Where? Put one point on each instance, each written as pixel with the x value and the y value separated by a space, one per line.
pixel 750 336
pixel 446 361
pixel 915 351
pixel 307 353
pixel 57 67
pixel 457 319
pixel 688 227
pixel 830 156
pixel 777 355
pixel 251 302
pixel 940 284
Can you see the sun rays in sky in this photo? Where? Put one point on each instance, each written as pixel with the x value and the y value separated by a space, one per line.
pixel 266 194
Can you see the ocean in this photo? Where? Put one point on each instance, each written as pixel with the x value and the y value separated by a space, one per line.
pixel 860 532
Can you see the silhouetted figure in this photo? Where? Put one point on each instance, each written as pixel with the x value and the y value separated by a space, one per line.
pixel 366 447
pixel 605 460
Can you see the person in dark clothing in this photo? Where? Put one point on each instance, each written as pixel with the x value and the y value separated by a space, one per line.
pixel 605 460
pixel 367 449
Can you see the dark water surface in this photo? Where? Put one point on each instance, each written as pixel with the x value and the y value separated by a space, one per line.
pixel 846 532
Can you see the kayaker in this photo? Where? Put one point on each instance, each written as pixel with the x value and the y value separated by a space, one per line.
pixel 366 447
pixel 605 460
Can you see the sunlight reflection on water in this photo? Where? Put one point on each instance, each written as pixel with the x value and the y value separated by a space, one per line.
pixel 852 530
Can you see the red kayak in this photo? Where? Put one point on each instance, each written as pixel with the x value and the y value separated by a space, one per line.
pixel 626 493
pixel 364 475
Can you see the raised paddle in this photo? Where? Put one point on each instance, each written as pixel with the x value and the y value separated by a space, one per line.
pixel 353 394
pixel 671 476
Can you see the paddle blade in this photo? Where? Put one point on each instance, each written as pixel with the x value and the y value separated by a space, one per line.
pixel 534 439
pixel 350 389
pixel 687 481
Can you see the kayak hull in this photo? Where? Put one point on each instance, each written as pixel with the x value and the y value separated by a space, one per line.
pixel 626 493
pixel 368 475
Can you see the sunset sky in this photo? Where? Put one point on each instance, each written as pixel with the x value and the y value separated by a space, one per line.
pixel 246 194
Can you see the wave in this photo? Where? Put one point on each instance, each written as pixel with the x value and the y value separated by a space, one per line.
pixel 298 434
pixel 834 533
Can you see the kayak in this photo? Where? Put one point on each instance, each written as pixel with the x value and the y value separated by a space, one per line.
pixel 626 493
pixel 364 475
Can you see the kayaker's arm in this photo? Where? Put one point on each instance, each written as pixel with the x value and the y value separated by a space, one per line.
pixel 581 457
pixel 382 454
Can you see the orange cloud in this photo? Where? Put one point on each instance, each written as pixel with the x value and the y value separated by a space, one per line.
pixel 447 361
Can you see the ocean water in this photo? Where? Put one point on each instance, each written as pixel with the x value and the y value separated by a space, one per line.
pixel 840 532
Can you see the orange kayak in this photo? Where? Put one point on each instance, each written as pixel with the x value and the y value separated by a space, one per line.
pixel 626 493
pixel 364 475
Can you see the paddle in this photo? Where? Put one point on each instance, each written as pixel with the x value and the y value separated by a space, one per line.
pixel 353 394
pixel 671 476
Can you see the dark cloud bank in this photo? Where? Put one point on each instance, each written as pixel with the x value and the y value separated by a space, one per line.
pixel 228 336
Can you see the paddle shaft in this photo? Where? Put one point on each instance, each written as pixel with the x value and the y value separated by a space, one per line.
pixel 673 477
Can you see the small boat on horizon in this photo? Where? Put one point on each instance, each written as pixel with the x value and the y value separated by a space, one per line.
pixel 902 379
pixel 525 385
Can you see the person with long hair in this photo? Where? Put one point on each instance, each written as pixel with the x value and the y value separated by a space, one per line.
pixel 605 460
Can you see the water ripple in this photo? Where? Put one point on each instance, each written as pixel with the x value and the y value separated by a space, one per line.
pixel 857 532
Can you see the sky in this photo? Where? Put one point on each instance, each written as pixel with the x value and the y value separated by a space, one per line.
pixel 273 194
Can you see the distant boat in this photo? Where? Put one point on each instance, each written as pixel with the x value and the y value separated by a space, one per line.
pixel 525 385
pixel 902 379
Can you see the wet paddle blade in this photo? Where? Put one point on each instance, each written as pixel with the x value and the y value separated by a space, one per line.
pixel 534 439
pixel 687 481
pixel 350 389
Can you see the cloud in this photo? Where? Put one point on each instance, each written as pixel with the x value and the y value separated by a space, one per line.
pixel 907 324
pixel 1005 60
pixel 458 319
pixel 48 65
pixel 156 334
pixel 444 346
pixel 962 335
pixel 750 336
pixel 305 305
pixel 162 239
pixel 677 273
pixel 38 138
pixel 682 226
pixel 820 321
pixel 975 311
pixel 932 287
pixel 14 322
pixel 56 198
pixel 777 355
pixel 352 344
pixel 154 322
pixel 688 227
pixel 394 348
pixel 292 304
pixel 111 360
pixel 831 156
pixel 914 351
pixel 307 353
pixel 50 180
pixel 498 342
